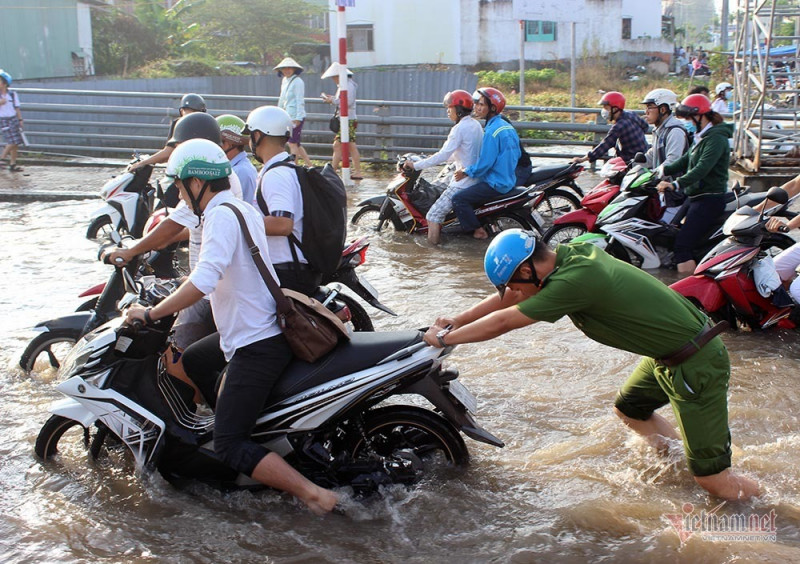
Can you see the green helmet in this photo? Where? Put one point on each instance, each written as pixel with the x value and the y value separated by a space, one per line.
pixel 231 128
pixel 198 158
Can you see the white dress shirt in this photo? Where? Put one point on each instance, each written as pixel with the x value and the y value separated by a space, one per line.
pixel 463 146
pixel 281 191
pixel 244 310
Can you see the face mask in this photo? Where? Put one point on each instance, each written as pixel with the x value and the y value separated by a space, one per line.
pixel 689 125
pixel 605 114
pixel 728 94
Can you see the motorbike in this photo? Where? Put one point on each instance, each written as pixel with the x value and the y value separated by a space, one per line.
pixel 57 336
pixel 327 419
pixel 409 197
pixel 631 229
pixel 129 200
pixel 725 284
pixel 583 220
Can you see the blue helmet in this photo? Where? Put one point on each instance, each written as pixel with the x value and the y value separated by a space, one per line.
pixel 5 76
pixel 505 254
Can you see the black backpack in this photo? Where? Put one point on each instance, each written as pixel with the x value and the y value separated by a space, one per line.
pixel 324 216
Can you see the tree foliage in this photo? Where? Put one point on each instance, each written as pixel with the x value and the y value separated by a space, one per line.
pixel 121 42
pixel 256 30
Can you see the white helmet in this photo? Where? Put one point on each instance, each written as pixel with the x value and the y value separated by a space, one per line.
pixel 722 87
pixel 661 96
pixel 269 120
pixel 199 158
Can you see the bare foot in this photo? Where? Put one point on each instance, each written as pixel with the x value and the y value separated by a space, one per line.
pixel 322 501
pixel 480 233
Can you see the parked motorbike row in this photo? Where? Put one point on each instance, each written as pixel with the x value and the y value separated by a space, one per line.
pixel 328 419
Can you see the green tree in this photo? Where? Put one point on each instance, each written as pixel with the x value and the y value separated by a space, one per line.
pixel 260 30
pixel 121 42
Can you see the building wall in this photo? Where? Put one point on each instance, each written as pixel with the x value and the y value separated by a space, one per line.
pixel 405 32
pixel 471 32
pixel 37 37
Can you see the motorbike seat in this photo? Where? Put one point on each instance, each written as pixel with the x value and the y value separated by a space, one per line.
pixel 500 197
pixel 363 350
pixel 546 172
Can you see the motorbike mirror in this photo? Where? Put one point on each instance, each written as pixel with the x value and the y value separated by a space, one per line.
pixel 778 195
pixel 639 158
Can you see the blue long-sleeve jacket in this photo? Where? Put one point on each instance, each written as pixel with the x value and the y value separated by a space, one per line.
pixel 498 157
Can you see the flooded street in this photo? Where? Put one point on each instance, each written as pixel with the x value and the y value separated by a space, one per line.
pixel 571 485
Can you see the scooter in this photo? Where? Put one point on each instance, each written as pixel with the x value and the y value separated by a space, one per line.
pixel 129 200
pixel 725 284
pixel 631 228
pixel 583 220
pixel 326 419
pixel 408 198
pixel 57 336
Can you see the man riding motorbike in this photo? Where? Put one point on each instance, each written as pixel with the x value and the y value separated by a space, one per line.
pixel 463 146
pixel 495 169
pixel 614 303
pixel 251 339
pixel 626 133
pixel 670 139
pixel 233 142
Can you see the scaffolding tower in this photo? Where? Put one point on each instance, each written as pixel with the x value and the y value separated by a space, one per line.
pixel 767 89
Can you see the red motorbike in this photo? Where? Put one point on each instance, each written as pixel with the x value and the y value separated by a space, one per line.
pixel 724 284
pixel 409 197
pixel 575 223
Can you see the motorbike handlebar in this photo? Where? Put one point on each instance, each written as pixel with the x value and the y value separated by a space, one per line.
pixel 784 229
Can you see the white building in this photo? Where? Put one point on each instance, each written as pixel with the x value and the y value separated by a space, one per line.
pixel 470 32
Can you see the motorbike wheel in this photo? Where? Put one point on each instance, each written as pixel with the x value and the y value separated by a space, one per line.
pixel 88 305
pixel 391 431
pixel 359 316
pixel 504 221
pixel 367 216
pixel 563 233
pixel 52 431
pixel 99 228
pixel 555 204
pixel 47 350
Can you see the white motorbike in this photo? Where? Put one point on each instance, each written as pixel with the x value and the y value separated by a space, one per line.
pixel 128 202
pixel 328 419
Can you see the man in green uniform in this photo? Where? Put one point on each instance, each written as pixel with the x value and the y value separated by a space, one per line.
pixel 686 363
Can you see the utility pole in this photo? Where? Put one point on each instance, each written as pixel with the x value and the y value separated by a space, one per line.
pixel 723 27
pixel 344 120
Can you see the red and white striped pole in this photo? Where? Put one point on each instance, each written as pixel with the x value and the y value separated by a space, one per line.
pixel 344 120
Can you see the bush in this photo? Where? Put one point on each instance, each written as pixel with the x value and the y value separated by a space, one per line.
pixel 510 79
pixel 172 68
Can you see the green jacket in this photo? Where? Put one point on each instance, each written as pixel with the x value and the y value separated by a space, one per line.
pixel 706 164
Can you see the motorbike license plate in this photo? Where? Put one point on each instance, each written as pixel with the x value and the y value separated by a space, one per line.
pixel 537 219
pixel 368 287
pixel 463 395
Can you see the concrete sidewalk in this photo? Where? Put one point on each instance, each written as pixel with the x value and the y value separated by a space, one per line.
pixel 78 181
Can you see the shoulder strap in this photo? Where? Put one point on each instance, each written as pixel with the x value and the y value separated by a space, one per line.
pixel 281 301
pixel 262 203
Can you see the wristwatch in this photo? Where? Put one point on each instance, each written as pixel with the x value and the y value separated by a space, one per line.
pixel 440 337
pixel 147 319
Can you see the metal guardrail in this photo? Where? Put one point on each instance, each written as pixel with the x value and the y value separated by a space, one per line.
pixel 83 128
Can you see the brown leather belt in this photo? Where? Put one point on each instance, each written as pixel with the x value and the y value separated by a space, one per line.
pixel 684 353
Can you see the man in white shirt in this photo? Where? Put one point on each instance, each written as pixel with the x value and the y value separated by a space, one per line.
pixel 463 146
pixel 194 322
pixel 255 348
pixel 280 199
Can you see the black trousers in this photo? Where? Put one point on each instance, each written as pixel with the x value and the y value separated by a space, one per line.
pixel 702 214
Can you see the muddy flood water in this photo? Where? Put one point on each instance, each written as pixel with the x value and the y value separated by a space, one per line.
pixel 571 485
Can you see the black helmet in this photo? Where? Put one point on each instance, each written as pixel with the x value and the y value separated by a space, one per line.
pixel 195 126
pixel 193 102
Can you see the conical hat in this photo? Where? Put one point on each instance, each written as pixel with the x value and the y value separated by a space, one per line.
pixel 333 70
pixel 288 62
